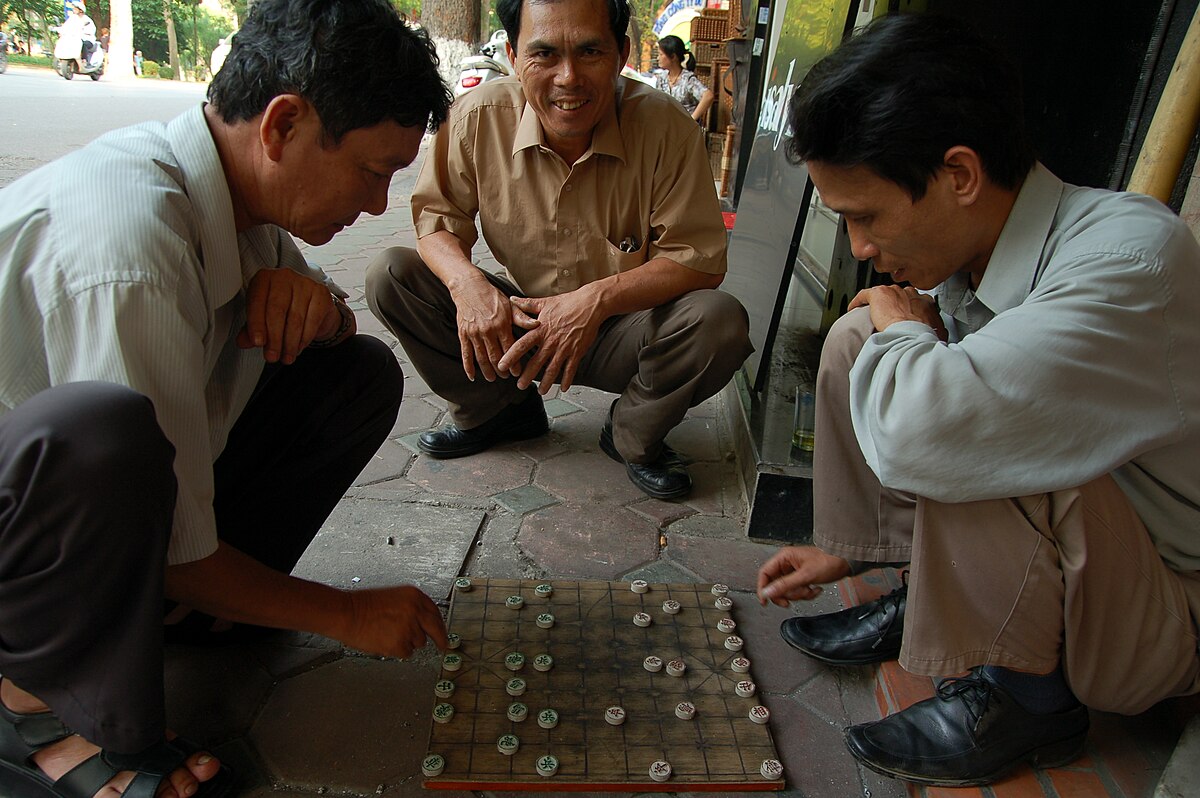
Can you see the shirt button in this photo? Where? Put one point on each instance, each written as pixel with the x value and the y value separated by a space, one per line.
pixel 566 272
pixel 568 187
pixel 566 231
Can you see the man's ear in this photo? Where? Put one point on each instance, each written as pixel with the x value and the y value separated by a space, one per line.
pixel 625 52
pixel 280 123
pixel 964 168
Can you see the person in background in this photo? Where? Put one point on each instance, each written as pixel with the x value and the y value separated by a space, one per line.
pixel 137 62
pixel 676 78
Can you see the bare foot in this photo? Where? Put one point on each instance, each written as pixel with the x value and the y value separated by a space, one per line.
pixel 56 760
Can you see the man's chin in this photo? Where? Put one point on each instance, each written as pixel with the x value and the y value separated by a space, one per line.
pixel 318 237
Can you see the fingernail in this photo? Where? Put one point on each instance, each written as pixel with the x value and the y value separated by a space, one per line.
pixel 204 759
pixel 768 591
pixel 190 789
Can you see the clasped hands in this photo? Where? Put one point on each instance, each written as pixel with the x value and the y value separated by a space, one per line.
pixel 285 312
pixel 892 303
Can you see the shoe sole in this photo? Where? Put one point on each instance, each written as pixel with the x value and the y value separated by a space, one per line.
pixel 508 437
pixel 1051 755
pixel 610 449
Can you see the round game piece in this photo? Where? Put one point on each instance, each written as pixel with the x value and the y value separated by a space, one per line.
pixel 734 643
pixel 652 664
pixel 771 769
pixel 433 765
pixel 547 766
pixel 724 603
pixel 462 585
pixel 685 710
pixel 444 688
pixel 543 662
pixel 676 667
pixel 543 591
pixel 639 586
pixel 442 713
pixel 759 713
pixel 508 744
pixel 660 771
pixel 452 662
pixel 548 718
pixel 515 661
pixel 740 665
pixel 641 619
pixel 614 716
pixel 745 689
pixel 671 607
pixel 719 589
pixel 726 625
pixel 514 602
pixel 453 640
pixel 517 712
pixel 515 687
pixel 545 620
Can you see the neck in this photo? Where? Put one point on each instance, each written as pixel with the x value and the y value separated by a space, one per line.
pixel 232 141
pixel 675 70
pixel 994 208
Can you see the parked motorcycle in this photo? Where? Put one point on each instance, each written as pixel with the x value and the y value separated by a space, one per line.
pixel 491 63
pixel 69 60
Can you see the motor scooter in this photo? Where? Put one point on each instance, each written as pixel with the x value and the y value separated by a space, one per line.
pixel 69 60
pixel 490 64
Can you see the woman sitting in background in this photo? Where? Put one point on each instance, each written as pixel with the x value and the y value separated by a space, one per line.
pixel 678 80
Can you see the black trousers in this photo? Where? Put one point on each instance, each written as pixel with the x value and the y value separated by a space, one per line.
pixel 87 493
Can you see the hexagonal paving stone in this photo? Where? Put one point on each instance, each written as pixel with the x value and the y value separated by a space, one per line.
pixel 575 540
pixel 719 559
pixel 585 478
pixel 483 474
pixel 778 667
pixel 416 415
pixel 388 463
pixel 696 439
pixel 716 489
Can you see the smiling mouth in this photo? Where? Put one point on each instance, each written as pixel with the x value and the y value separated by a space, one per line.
pixel 569 105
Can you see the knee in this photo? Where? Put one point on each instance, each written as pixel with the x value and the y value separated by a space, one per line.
pixel 376 370
pixel 846 338
pixel 723 320
pixel 395 266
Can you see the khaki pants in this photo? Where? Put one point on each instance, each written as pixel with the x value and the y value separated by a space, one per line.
pixel 661 361
pixel 1022 583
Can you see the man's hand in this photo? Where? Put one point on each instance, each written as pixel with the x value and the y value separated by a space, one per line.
pixel 795 573
pixel 567 325
pixel 485 321
pixel 285 312
pixel 393 621
pixel 891 303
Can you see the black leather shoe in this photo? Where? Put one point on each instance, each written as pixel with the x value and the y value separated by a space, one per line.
pixel 513 423
pixel 665 478
pixel 971 733
pixel 856 636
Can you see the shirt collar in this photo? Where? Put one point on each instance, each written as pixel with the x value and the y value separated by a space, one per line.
pixel 606 138
pixel 1016 258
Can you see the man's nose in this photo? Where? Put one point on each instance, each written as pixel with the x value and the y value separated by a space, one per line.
pixel 567 73
pixel 860 246
pixel 377 200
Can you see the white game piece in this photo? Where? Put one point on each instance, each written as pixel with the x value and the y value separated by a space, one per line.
pixel 444 688
pixel 724 603
pixel 453 641
pixel 771 769
pixel 614 716
pixel 514 602
pixel 543 591
pixel 548 718
pixel 676 667
pixel 726 625
pixel 740 665
pixel 639 586
pixel 652 663
pixel 719 589
pixel 543 662
pixel 547 766
pixel 515 687
pixel 442 713
pixel 545 620
pixel 641 619
pixel 759 714
pixel 514 661
pixel 433 765
pixel 685 710
pixel 452 662
pixel 517 712
pixel 734 643
pixel 508 744
pixel 660 771
pixel 462 585
pixel 671 607
pixel 745 688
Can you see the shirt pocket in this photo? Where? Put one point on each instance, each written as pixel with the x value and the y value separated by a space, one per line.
pixel 618 261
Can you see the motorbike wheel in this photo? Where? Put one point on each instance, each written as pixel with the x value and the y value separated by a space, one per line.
pixel 96 75
pixel 66 69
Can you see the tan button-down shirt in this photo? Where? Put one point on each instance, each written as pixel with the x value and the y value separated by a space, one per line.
pixel 643 190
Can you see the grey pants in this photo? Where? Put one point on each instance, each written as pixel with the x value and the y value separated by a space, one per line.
pixel 661 361
pixel 87 494
pixel 1070 576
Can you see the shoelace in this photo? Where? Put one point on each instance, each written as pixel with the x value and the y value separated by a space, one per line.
pixel 973 690
pixel 890 600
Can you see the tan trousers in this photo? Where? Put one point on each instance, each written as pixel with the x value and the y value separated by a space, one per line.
pixel 661 361
pixel 1022 583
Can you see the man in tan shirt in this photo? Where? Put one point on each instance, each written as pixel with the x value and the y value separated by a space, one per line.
pixel 595 195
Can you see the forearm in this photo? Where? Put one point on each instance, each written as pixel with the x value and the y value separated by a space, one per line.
pixel 650 285
pixel 703 106
pixel 448 258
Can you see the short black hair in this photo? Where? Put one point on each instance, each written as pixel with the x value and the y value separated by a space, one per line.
pixel 509 13
pixel 898 96
pixel 673 46
pixel 354 60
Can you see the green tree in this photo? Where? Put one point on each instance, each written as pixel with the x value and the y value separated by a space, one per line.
pixel 33 18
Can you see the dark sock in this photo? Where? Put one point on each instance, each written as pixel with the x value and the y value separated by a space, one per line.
pixel 1036 693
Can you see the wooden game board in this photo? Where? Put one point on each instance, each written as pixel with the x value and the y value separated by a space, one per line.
pixel 598 654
